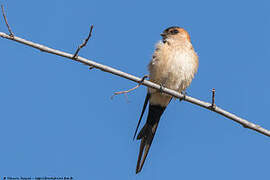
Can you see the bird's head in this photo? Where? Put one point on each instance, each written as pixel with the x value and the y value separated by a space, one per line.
pixel 175 32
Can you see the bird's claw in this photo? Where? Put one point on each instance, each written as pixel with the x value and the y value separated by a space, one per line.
pixel 184 93
pixel 161 89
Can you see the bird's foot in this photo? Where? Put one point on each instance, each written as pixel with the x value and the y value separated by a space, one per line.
pixel 161 89
pixel 184 93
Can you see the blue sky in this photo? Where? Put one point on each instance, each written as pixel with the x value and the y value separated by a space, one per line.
pixel 57 118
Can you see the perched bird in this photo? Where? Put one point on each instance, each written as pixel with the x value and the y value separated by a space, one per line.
pixel 173 65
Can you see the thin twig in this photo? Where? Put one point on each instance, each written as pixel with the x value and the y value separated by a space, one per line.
pixel 150 84
pixel 9 29
pixel 84 42
pixel 213 98
pixel 127 91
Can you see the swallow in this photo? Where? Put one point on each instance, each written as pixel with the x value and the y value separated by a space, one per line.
pixel 173 65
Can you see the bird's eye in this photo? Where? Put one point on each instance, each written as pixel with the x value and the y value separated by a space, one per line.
pixel 175 31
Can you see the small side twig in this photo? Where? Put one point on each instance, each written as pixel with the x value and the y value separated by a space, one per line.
pixel 84 43
pixel 4 15
pixel 213 105
pixel 127 91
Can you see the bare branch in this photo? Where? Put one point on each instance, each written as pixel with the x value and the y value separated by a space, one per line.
pixel 111 70
pixel 127 91
pixel 9 29
pixel 84 43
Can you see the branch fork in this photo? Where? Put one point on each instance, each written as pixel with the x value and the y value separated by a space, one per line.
pixel 132 89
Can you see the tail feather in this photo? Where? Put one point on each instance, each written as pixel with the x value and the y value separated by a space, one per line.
pixel 144 106
pixel 147 133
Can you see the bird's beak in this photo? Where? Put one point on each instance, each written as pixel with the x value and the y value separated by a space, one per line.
pixel 163 35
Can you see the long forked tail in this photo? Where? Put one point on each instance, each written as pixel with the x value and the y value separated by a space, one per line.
pixel 147 133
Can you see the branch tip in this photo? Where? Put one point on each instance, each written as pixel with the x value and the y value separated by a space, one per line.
pixel 213 106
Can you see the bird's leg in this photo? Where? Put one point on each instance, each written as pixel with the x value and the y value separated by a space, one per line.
pixel 184 95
